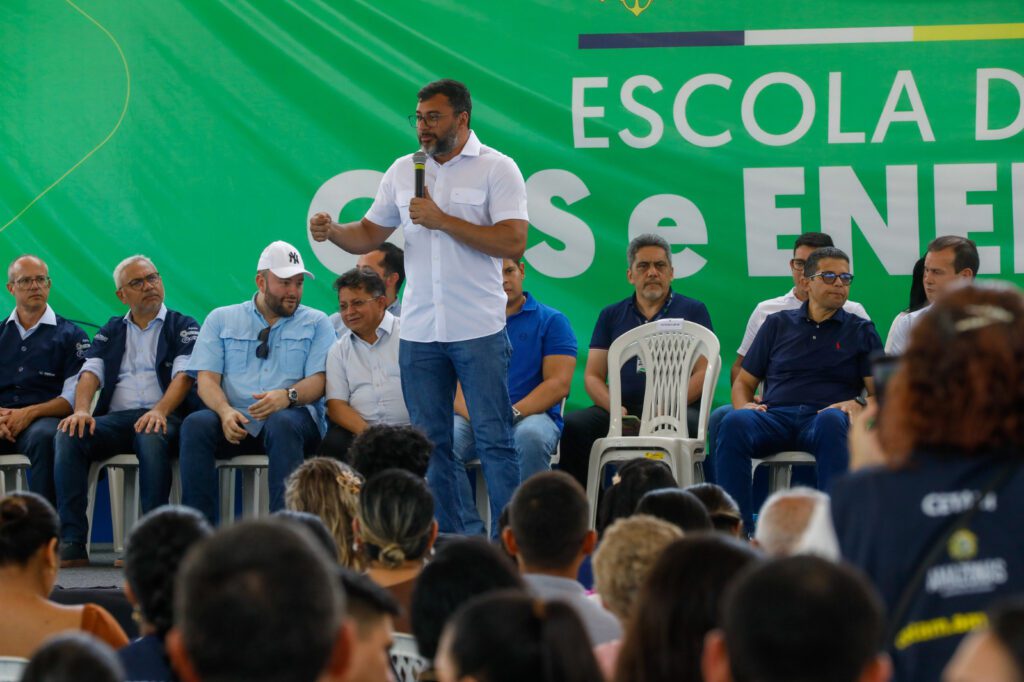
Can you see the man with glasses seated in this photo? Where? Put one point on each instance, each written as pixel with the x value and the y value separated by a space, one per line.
pixel 364 385
pixel 805 245
pixel 814 362
pixel 40 355
pixel 260 371
pixel 137 363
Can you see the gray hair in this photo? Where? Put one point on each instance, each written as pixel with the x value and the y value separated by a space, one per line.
pixel 10 267
pixel 647 239
pixel 785 520
pixel 137 258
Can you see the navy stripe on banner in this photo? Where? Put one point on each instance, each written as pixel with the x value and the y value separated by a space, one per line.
pixel 604 41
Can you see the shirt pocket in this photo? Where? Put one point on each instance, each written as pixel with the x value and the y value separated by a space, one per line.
pixel 468 196
pixel 236 352
pixel 402 200
pixel 295 346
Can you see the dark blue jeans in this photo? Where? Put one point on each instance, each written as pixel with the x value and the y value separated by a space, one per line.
pixel 286 438
pixel 115 434
pixel 750 434
pixel 36 443
pixel 429 373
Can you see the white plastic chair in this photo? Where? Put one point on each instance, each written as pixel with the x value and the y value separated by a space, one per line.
pixel 405 658
pixel 255 487
pixel 11 668
pixel 667 350
pixel 14 466
pixel 123 484
pixel 780 467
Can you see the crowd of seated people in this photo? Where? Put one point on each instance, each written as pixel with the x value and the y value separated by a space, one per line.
pixel 906 567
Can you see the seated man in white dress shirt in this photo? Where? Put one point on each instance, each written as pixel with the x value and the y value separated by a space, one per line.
pixel 364 386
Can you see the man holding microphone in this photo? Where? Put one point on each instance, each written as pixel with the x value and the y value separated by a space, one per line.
pixel 472 214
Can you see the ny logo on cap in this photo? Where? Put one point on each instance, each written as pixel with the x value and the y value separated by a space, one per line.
pixel 293 257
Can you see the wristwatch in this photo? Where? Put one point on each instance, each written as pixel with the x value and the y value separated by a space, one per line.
pixel 293 397
pixel 516 415
pixel 862 401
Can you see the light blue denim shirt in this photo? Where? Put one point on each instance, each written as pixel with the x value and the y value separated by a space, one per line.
pixel 298 348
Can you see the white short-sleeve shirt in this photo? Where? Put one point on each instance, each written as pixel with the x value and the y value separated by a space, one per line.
pixel 788 301
pixel 899 333
pixel 367 376
pixel 453 292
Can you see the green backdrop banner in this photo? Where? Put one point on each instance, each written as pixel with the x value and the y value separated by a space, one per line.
pixel 197 132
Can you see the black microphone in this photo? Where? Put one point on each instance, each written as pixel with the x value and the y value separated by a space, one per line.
pixel 419 163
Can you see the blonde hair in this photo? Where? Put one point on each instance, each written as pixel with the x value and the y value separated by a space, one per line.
pixel 627 552
pixel 329 489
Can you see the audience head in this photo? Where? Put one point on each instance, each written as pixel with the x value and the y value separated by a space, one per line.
pixel 155 549
pixel 723 510
pixel 677 506
pixel 634 478
pixel 314 525
pixel 511 637
pixel 461 570
pixel 371 609
pixel 258 601
pixel 624 558
pixel 806 244
pixel 960 383
pixel 73 657
pixel 388 261
pixel 949 259
pixel 549 524
pixel 383 446
pixel 28 281
pixel 796 521
pixel 29 529
pixel 679 603
pixel 396 519
pixel 995 653
pixel 329 489
pixel 798 619
pixel 650 267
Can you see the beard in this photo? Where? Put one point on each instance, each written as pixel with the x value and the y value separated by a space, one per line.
pixel 279 306
pixel 443 144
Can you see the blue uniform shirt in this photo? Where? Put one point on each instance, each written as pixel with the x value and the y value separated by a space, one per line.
pixel 43 364
pixel 619 318
pixel 535 332
pixel 803 362
pixel 298 349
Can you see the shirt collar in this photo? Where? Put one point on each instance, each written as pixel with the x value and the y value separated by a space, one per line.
pixel 472 146
pixel 386 327
pixel 805 310
pixel 661 311
pixel 49 317
pixel 529 304
pixel 162 315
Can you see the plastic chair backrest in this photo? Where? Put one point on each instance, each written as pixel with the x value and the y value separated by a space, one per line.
pixel 11 668
pixel 406 661
pixel 667 350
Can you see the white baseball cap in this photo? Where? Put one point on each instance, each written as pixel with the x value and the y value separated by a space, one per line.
pixel 284 260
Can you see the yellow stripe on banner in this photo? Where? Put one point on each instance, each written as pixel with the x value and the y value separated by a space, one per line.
pixel 969 32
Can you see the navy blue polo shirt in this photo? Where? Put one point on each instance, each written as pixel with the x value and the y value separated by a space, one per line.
pixel 536 331
pixel 619 318
pixel 803 362
pixel 34 370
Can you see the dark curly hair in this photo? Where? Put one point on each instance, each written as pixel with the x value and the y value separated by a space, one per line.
pixel 960 384
pixel 27 522
pixel 156 546
pixel 383 446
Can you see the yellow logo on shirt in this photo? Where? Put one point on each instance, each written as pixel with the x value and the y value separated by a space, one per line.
pixel 963 545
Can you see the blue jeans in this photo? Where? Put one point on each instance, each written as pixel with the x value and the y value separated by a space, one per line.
pixel 115 434
pixel 286 438
pixel 714 423
pixel 36 443
pixel 750 434
pixel 429 373
pixel 535 439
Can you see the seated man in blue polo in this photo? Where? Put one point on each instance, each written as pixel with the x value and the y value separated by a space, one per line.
pixel 814 362
pixel 539 376
pixel 137 362
pixel 651 274
pixel 260 371
pixel 40 355
pixel 364 385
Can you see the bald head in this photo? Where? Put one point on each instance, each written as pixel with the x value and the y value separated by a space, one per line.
pixel 786 520
pixel 21 261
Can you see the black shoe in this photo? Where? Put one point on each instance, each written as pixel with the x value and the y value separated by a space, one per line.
pixel 73 555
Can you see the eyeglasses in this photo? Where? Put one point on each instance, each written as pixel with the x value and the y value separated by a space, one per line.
pixel 263 350
pixel 358 303
pixel 25 283
pixel 430 120
pixel 829 277
pixel 139 282
pixel 797 264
